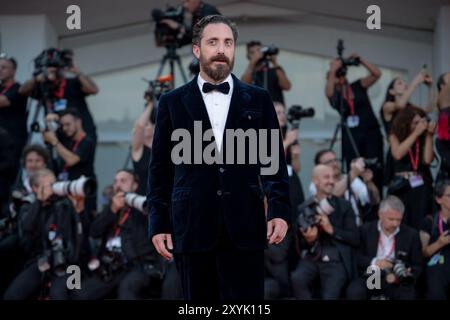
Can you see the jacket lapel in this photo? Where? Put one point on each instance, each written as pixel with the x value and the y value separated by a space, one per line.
pixel 193 101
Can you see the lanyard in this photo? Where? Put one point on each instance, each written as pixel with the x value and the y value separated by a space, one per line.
pixel 415 158
pixel 348 96
pixel 6 89
pixel 59 93
pixel 440 224
pixel 74 148
pixel 122 221
pixel 391 251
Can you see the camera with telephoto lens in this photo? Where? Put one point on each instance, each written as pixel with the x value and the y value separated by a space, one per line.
pixel 52 57
pixel 41 127
pixel 82 187
pixel 354 61
pixel 164 35
pixel 268 51
pixel 400 270
pixel 297 112
pixel 308 212
pixel 372 164
pixel 136 201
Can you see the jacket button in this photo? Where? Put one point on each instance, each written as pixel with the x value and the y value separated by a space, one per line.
pixel 221 170
pixel 249 117
pixel 219 192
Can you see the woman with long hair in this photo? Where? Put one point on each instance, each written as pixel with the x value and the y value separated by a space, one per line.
pixel 411 144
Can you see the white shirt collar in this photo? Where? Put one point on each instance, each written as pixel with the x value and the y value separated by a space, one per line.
pixel 391 236
pixel 201 81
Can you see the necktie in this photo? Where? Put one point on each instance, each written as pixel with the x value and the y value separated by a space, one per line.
pixel 223 87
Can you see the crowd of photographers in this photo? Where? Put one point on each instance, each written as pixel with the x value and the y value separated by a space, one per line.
pixel 372 225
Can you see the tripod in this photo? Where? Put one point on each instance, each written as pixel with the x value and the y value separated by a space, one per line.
pixel 172 57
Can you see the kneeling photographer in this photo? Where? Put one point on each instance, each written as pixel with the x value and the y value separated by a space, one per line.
pixel 327 236
pixel 50 233
pixel 126 258
pixel 394 249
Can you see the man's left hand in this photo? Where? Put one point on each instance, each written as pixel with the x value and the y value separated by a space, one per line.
pixel 50 137
pixel 325 223
pixel 276 230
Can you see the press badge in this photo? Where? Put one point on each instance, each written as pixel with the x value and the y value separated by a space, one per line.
pixel 436 259
pixel 60 105
pixel 415 181
pixel 114 244
pixel 352 121
pixel 51 235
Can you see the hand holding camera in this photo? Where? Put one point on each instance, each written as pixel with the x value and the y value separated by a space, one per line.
pixel 431 128
pixel 421 127
pixel 384 264
pixel 311 234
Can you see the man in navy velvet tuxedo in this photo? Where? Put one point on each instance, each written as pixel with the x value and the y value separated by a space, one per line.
pixel 211 217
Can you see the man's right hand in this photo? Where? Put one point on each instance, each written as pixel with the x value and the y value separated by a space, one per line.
pixel 118 202
pixel 335 64
pixel 163 243
pixel 255 58
pixel 444 239
pixel 384 264
pixel 311 234
pixel 291 136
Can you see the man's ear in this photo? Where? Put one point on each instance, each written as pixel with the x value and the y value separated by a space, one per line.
pixel 196 51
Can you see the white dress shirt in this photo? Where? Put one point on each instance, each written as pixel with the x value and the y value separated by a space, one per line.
pixel 217 105
pixel 386 245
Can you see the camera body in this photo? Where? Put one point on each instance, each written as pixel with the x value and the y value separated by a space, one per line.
pixel 297 112
pixel 346 62
pixel 308 212
pixel 400 270
pixel 136 201
pixel 41 127
pixel 164 35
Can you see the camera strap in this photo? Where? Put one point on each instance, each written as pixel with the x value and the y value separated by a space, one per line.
pixel 6 89
pixel 75 148
pixel 415 158
pixel 122 221
pixel 59 93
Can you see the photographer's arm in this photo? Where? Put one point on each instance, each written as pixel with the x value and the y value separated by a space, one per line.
pixel 399 150
pixel 283 80
pixel 4 101
pixel 247 77
pixel 27 87
pixel 103 222
pixel 137 142
pixel 428 155
pixel 347 233
pixel 375 74
pixel 88 86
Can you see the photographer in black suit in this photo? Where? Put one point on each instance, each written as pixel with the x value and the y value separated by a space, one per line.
pixel 385 245
pixel 326 242
pixel 218 231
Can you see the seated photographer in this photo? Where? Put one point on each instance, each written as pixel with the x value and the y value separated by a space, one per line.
pixel 357 111
pixel 411 145
pixel 61 84
pixel 13 109
pixel 364 195
pixel 327 236
pixel 443 127
pixel 392 247
pixel 198 9
pixel 50 235
pixel 127 259
pixel 76 153
pixel 435 238
pixel 141 145
pixel 262 63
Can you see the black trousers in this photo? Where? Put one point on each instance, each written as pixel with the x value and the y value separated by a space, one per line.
pixel 357 290
pixel 277 268
pixel 224 273
pixel 130 285
pixel 438 281
pixel 332 277
pixel 171 286
pixel 28 283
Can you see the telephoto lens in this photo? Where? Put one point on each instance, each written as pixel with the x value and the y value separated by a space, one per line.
pixel 82 187
pixel 136 201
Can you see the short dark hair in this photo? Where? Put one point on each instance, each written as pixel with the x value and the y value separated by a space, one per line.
pixel 10 59
pixel 439 188
pixel 253 43
pixel 71 111
pixel 197 32
pixel 319 155
pixel 40 150
pixel 130 172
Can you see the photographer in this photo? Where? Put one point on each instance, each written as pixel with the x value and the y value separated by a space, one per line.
pixel 327 242
pixel 50 235
pixel 357 111
pixel 411 144
pixel 62 85
pixel 364 193
pixel 141 145
pixel 392 247
pixel 13 113
pixel 126 259
pixel 435 238
pixel 443 127
pixel 198 9
pixel 264 71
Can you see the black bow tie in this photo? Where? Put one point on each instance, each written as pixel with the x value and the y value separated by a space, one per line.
pixel 223 87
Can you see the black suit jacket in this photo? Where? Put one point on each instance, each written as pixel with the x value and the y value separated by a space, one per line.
pixel 407 240
pixel 188 200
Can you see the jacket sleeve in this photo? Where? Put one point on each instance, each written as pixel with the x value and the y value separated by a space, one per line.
pixel 161 170
pixel 348 231
pixel 102 223
pixel 275 180
pixel 416 255
pixel 362 257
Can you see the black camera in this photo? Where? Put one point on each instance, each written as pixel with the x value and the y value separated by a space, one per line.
pixel 308 212
pixel 296 112
pixel 52 58
pixel 342 71
pixel 41 127
pixel 164 35
pixel 372 164
pixel 400 270
pixel 157 87
pixel 268 51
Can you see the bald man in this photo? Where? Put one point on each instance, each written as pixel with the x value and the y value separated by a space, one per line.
pixel 326 247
